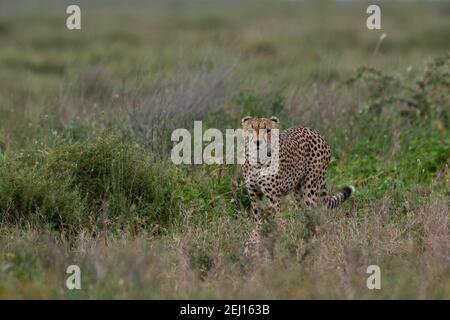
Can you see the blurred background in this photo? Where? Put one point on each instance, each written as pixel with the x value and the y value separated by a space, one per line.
pixel 295 39
pixel 251 44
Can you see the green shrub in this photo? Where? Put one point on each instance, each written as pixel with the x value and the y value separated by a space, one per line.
pixel 260 106
pixel 28 194
pixel 424 96
pixel 90 184
pixel 119 180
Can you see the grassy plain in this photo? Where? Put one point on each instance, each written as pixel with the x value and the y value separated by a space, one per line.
pixel 85 171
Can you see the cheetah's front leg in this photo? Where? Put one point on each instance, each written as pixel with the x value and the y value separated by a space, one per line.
pixel 274 204
pixel 253 244
pixel 298 193
pixel 268 223
pixel 255 201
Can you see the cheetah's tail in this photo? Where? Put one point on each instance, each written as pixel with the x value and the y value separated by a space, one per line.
pixel 340 197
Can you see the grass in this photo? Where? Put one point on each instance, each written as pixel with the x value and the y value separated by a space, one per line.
pixel 85 170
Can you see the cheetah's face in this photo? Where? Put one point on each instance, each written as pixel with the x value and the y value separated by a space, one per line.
pixel 258 131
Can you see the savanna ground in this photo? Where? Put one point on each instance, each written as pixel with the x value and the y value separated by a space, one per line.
pixel 85 171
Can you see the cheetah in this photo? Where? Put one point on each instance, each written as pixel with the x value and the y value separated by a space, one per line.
pixel 303 159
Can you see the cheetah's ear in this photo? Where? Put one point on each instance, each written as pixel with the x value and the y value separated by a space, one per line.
pixel 245 119
pixel 274 119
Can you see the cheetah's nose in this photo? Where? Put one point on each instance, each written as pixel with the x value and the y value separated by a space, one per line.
pixel 257 143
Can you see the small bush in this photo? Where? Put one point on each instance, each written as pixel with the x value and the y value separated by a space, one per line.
pixel 260 106
pixel 27 194
pixel 101 182
pixel 424 96
pixel 119 180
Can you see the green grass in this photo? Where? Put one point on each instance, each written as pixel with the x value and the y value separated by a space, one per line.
pixel 85 170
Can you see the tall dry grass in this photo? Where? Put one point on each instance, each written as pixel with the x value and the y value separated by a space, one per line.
pixel 318 254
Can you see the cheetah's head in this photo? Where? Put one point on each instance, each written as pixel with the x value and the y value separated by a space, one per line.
pixel 258 131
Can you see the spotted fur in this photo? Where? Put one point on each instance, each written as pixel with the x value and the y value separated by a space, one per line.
pixel 304 157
